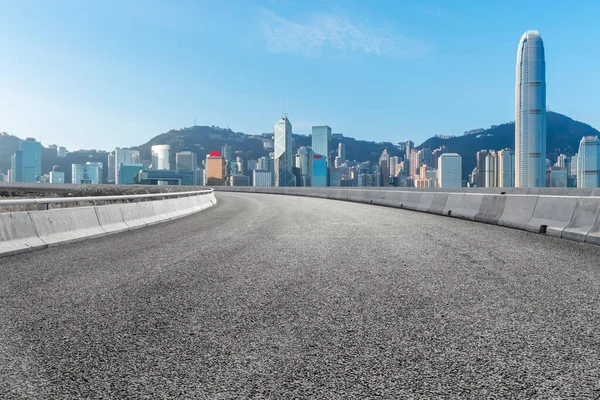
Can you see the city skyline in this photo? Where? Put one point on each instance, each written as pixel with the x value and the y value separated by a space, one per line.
pixel 89 91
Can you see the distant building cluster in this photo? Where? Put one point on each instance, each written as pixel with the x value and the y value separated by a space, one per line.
pixel 320 164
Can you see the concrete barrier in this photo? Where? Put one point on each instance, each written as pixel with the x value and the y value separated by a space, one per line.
pixel 27 231
pixel 18 234
pixel 111 218
pixel 552 214
pixel 65 225
pixel 491 209
pixel 584 220
pixel 469 207
pixel 453 202
pixel 439 203
pixel 518 210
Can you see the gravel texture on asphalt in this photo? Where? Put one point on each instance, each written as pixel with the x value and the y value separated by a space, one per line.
pixel 266 296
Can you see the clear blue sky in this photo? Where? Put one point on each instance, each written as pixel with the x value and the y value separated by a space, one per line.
pixel 100 74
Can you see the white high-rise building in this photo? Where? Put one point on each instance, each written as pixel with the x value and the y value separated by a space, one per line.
pixel 160 156
pixel 491 169
pixel 283 153
pixel 393 165
pixel 587 162
pixel 506 168
pixel 449 172
pixel 530 112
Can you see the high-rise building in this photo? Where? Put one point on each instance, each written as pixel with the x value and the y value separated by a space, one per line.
pixel 215 169
pixel 481 171
pixel 61 152
pixel 384 165
pixel 186 161
pixel 319 170
pixel 410 145
pixel 393 165
pixel 267 164
pixel 321 143
pixel 588 162
pixel 283 153
pixel 126 157
pixel 491 169
pixel 26 163
pixel 342 152
pixel 226 152
pixel 506 168
pixel 302 162
pixel 83 174
pixel 412 162
pixel 161 154
pixel 262 178
pixel 449 172
pixel 530 112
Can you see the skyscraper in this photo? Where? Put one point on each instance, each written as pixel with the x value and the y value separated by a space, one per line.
pixel 321 143
pixel 530 112
pixel 283 153
pixel 491 169
pixel 481 171
pixel 342 152
pixel 588 162
pixel 384 165
pixel 449 172
pixel 226 152
pixel 215 169
pixel 506 168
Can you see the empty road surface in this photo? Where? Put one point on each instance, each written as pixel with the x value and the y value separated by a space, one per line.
pixel 266 296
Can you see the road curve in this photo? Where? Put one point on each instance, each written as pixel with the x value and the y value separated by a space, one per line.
pixel 266 296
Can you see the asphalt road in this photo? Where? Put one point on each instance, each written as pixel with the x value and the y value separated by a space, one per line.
pixel 268 296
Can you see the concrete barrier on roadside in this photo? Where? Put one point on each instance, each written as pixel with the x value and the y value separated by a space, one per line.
pixel 65 225
pixel 439 203
pixel 27 231
pixel 491 209
pixel 111 218
pixel 468 208
pixel 419 201
pixel 453 202
pixel 518 210
pixel 552 214
pixel 18 234
pixel 583 221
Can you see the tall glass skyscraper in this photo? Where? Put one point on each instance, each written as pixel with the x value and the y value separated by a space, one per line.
pixel 530 112
pixel 321 142
pixel 283 153
pixel 588 162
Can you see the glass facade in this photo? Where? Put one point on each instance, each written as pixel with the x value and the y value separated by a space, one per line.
pixel 319 170
pixel 85 174
pixel 587 163
pixel 530 112
pixel 321 142
pixel 283 153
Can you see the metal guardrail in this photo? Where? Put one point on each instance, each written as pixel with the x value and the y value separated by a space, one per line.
pixel 44 201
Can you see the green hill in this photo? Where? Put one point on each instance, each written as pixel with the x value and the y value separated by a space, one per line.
pixel 562 135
